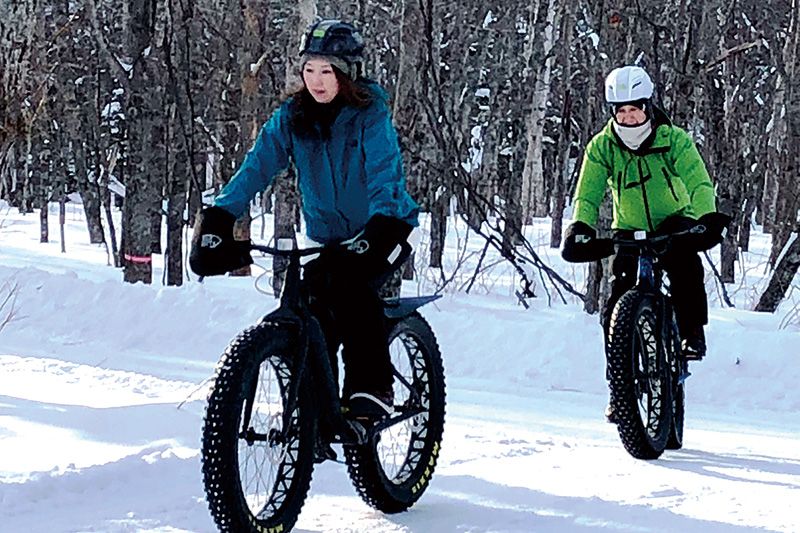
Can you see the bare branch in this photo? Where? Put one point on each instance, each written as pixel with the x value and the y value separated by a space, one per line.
pixel 718 278
pixel 114 64
pixel 8 311
pixel 727 54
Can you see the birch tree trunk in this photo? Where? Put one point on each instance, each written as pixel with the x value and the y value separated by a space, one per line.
pixel 287 195
pixel 436 192
pixel 534 198
pixel 781 278
pixel 563 147
pixel 255 14
pixel 775 147
pixel 89 192
pixel 789 262
pixel 176 199
pixel 143 180
pixel 788 201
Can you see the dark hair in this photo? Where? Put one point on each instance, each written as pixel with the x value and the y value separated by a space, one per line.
pixel 306 113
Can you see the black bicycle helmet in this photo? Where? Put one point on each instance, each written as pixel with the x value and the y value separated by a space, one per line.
pixel 335 39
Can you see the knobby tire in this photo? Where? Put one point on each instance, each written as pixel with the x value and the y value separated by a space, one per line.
pixel 639 376
pixel 391 472
pixel 256 482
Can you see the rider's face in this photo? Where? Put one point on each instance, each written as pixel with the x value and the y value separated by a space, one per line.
pixel 629 115
pixel 320 80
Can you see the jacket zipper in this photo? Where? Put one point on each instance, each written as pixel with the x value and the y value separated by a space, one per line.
pixel 346 221
pixel 644 197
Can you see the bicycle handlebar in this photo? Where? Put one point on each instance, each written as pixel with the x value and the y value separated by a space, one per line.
pixel 286 252
pixel 641 238
pixel 658 244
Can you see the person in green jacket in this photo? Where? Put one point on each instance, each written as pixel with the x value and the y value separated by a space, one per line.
pixel 336 130
pixel 659 184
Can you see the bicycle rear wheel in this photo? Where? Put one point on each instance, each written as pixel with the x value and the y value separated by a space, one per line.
pixel 639 375
pixel 392 471
pixel 257 460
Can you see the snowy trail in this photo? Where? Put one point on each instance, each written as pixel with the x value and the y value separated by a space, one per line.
pixel 92 371
pixel 509 463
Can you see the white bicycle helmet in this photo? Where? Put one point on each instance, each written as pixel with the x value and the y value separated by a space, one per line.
pixel 628 84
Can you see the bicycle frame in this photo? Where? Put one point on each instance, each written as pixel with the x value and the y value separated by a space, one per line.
pixel 649 274
pixel 313 360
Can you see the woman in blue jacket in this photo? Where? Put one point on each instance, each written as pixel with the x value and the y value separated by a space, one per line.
pixel 337 131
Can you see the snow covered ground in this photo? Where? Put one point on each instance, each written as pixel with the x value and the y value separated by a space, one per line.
pixel 102 389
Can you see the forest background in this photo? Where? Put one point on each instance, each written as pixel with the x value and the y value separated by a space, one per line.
pixel 149 106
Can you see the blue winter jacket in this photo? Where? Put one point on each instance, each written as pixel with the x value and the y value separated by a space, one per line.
pixel 344 180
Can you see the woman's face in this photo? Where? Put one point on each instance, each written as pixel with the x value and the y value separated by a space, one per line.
pixel 320 80
pixel 629 115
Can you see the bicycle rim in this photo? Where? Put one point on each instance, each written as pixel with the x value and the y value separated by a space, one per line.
pixel 393 470
pixel 266 468
pixel 399 447
pixel 257 460
pixel 649 382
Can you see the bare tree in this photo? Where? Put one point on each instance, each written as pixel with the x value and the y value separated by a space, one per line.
pixel 789 259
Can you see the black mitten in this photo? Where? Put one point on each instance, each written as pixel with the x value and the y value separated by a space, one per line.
pixel 715 227
pixel 380 248
pixel 581 244
pixel 214 250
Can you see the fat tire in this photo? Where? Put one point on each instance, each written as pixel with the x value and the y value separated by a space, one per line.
pixel 634 327
pixel 258 353
pixel 396 491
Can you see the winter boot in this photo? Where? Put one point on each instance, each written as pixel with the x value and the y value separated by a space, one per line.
pixel 371 406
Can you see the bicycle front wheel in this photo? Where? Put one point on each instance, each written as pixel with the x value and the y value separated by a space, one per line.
pixel 392 471
pixel 639 375
pixel 257 457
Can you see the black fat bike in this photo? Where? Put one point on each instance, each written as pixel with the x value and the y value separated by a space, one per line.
pixel 646 369
pixel 274 409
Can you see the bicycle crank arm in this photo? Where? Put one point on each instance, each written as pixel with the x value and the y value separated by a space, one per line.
pixel 391 421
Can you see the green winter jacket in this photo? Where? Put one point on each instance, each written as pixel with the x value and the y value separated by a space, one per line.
pixel 662 179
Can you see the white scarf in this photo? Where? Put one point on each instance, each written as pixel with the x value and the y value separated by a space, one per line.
pixel 634 136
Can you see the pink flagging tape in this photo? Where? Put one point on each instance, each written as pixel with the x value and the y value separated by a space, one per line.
pixel 138 258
